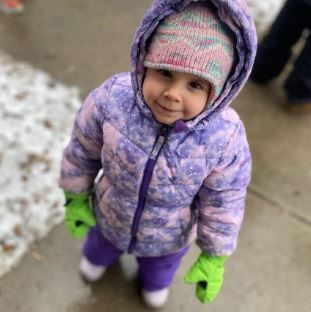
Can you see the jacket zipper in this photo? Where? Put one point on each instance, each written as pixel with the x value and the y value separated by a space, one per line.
pixel 145 184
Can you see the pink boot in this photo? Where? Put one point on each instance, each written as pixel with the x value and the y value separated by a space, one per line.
pixel 11 6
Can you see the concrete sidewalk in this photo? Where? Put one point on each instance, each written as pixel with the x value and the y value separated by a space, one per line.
pixel 76 42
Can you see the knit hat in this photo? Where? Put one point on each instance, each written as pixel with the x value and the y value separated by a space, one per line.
pixel 194 41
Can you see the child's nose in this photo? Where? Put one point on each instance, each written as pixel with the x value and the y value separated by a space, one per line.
pixel 173 93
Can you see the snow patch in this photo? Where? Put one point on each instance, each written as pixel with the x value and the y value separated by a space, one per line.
pixel 36 115
pixel 264 13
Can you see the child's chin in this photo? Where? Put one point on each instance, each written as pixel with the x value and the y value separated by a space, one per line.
pixel 166 121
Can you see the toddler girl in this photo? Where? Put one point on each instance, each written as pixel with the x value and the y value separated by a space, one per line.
pixel 174 155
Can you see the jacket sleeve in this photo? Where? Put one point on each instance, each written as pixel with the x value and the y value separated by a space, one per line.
pixel 81 160
pixel 220 200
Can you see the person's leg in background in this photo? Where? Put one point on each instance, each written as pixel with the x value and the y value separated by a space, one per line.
pixel 298 84
pixel 156 274
pixel 275 49
pixel 98 254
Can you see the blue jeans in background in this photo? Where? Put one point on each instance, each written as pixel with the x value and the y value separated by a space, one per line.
pixel 276 49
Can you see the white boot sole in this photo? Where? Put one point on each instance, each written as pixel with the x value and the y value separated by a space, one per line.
pixel 91 272
pixel 156 299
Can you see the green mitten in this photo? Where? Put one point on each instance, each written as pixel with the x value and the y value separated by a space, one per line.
pixel 78 215
pixel 207 272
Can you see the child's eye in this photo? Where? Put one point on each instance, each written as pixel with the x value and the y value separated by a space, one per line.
pixel 195 85
pixel 165 73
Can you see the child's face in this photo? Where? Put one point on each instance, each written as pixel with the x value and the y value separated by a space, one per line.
pixel 172 95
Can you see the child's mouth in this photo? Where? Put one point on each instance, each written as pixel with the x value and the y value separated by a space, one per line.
pixel 165 109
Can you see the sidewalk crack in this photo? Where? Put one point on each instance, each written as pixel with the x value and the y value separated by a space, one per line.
pixel 300 218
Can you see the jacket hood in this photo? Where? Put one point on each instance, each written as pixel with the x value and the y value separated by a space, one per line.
pixel 235 14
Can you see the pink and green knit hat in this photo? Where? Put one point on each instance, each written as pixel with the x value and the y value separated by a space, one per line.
pixel 194 41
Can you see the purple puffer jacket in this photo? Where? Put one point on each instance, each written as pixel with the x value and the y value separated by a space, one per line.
pixel 163 186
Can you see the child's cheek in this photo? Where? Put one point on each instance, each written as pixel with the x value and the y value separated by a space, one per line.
pixel 145 94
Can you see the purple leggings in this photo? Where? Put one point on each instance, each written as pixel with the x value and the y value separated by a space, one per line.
pixel 154 272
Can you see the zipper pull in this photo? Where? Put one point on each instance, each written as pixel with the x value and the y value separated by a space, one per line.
pixel 160 141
